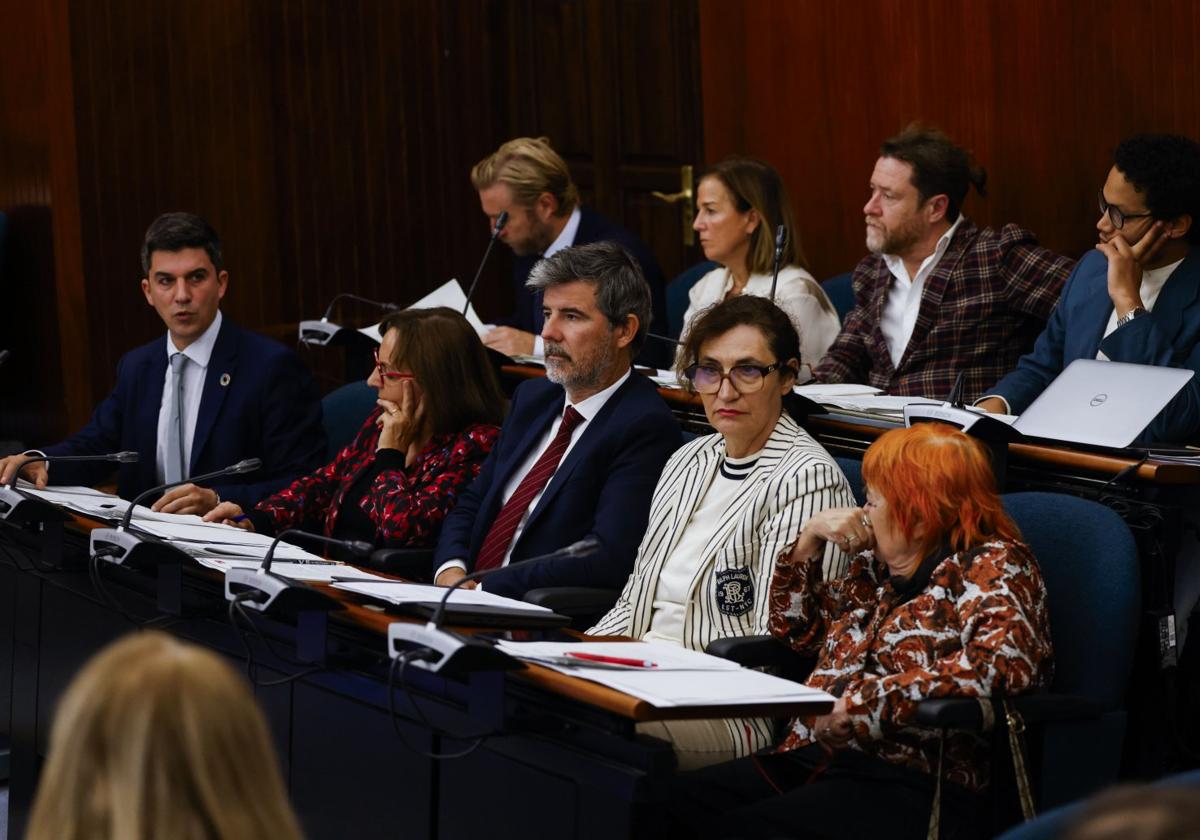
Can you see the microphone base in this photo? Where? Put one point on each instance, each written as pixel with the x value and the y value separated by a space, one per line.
pixel 123 548
pixel 451 654
pixel 275 594
pixel 17 507
pixel 319 333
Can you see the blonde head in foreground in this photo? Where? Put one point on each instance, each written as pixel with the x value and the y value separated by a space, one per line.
pixel 156 738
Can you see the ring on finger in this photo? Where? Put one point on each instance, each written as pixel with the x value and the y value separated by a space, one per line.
pixel 866 521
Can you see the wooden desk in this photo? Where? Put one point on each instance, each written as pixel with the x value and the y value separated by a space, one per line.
pixel 1150 498
pixel 566 761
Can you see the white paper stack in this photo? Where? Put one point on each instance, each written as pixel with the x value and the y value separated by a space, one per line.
pixel 396 592
pixel 678 677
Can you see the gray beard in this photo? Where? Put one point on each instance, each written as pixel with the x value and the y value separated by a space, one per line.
pixel 579 377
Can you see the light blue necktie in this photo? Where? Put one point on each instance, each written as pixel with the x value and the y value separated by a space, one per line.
pixel 175 469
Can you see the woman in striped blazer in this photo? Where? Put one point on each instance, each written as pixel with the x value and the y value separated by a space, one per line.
pixel 725 507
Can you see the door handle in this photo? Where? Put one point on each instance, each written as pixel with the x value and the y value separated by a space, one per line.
pixel 686 200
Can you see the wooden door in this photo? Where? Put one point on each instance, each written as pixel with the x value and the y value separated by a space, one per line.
pixel 616 88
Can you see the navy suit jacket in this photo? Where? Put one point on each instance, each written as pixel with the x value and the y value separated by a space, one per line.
pixel 1169 336
pixel 527 315
pixel 602 488
pixel 270 409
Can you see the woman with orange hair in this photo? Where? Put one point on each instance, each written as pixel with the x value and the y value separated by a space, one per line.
pixel 941 599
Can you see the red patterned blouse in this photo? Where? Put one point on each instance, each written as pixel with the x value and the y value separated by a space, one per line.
pixel 406 504
pixel 978 627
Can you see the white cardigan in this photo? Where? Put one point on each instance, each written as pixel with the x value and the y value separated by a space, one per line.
pixel 793 478
pixel 797 294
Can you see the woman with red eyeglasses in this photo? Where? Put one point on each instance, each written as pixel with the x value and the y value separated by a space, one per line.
pixel 438 416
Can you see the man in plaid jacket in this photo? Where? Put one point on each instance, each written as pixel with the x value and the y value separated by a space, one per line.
pixel 939 296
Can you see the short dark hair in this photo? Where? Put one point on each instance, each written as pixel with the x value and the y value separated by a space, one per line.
pixel 1165 168
pixel 176 231
pixel 939 166
pixel 742 310
pixel 621 290
pixel 451 365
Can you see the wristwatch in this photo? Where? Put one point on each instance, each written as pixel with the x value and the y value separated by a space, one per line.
pixel 1136 312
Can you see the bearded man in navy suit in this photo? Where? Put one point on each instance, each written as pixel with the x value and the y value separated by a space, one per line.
pixel 581 450
pixel 526 178
pixel 209 395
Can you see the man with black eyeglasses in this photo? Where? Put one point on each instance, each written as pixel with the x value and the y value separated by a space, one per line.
pixel 1136 297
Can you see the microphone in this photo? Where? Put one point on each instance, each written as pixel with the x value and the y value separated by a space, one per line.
pixel 4 355
pixel 262 590
pixel 11 498
pixel 501 221
pixel 117 544
pixel 780 238
pixel 447 653
pixel 667 338
pixel 322 332
pixel 955 396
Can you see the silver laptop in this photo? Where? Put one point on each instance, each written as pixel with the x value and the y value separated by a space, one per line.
pixel 1101 403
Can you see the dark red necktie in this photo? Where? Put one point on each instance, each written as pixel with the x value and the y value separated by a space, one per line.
pixel 499 538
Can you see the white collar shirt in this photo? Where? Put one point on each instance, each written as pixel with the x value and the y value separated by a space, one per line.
pixel 588 409
pixel 198 353
pixel 904 296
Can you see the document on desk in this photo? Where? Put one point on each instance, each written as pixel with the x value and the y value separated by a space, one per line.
pixel 92 503
pixel 211 538
pixel 668 676
pixel 308 572
pixel 399 593
pixel 672 689
pixel 665 657
pixel 97 504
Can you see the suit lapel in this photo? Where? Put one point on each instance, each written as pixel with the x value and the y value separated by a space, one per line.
pixel 593 431
pixel 218 378
pixel 1178 294
pixel 541 415
pixel 935 287
pixel 151 376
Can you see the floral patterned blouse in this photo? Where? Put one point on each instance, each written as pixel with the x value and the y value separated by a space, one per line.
pixel 974 624
pixel 406 504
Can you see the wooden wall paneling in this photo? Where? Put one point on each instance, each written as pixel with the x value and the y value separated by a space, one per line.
pixel 44 384
pixel 1040 91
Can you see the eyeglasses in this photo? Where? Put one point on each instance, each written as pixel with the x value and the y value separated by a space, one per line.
pixel 1116 215
pixel 746 379
pixel 388 374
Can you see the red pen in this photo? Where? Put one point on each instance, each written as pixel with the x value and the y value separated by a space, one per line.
pixel 613 660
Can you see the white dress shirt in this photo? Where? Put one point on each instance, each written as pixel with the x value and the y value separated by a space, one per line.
pixel 566 238
pixel 198 354
pixel 904 297
pixel 1153 280
pixel 587 409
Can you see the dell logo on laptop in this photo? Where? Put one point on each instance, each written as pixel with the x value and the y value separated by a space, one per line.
pixel 1099 399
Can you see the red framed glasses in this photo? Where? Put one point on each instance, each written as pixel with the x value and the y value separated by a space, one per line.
pixel 388 374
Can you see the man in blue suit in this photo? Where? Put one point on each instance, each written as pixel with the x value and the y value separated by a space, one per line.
pixel 212 394
pixel 529 180
pixel 1136 298
pixel 581 450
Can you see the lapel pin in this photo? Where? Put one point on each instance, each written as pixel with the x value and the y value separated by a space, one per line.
pixel 224 379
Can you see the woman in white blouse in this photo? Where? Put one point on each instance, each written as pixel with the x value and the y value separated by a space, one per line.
pixel 740 203
pixel 725 507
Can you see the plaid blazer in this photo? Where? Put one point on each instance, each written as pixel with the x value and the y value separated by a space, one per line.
pixel 982 307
